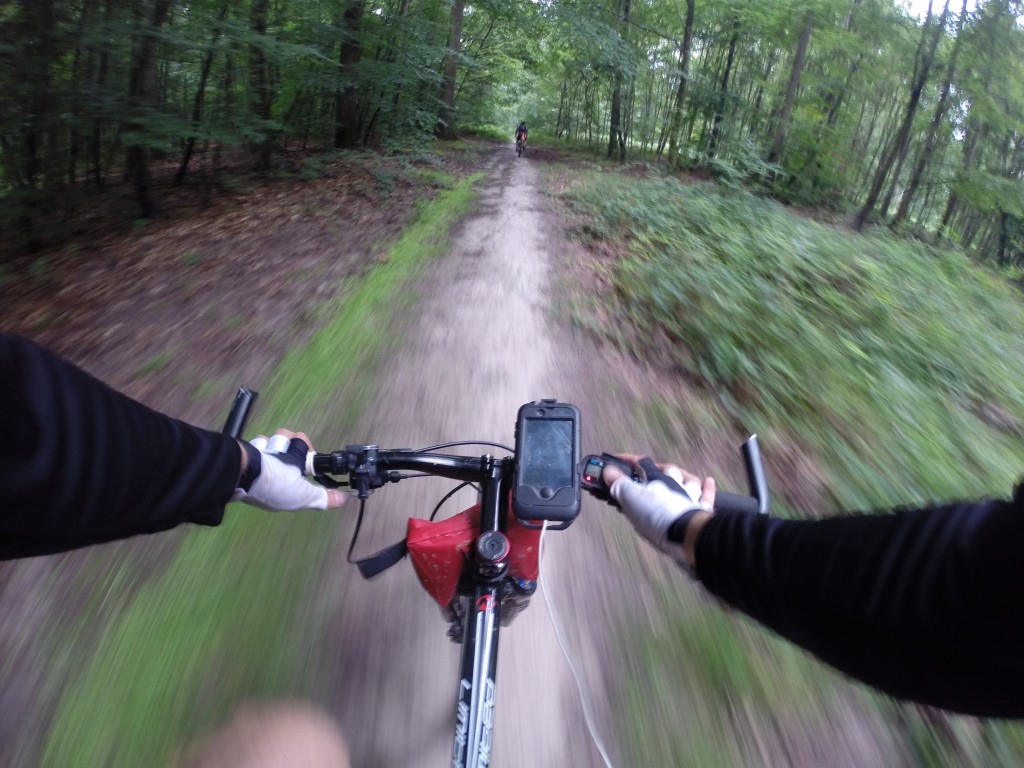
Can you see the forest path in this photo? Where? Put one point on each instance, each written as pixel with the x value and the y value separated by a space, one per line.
pixel 484 337
pixel 480 344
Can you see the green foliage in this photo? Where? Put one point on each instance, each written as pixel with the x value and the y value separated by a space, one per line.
pixel 75 98
pixel 988 192
pixel 744 167
pixel 853 91
pixel 489 131
pixel 151 366
pixel 898 365
pixel 68 112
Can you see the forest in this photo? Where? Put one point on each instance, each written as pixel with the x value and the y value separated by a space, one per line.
pixel 852 106
pixel 803 218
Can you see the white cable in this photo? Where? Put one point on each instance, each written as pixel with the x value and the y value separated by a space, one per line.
pixel 561 644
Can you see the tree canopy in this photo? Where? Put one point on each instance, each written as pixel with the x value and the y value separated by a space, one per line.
pixel 853 105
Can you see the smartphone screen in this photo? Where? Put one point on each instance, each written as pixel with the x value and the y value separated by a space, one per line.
pixel 547 459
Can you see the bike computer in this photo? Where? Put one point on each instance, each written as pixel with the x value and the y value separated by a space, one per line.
pixel 547 478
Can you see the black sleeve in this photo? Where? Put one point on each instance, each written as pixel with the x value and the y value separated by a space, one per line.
pixel 923 604
pixel 81 463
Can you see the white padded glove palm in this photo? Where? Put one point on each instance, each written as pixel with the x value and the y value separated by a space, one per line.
pixel 280 484
pixel 656 502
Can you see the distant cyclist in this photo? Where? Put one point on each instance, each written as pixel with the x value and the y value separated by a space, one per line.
pixel 521 132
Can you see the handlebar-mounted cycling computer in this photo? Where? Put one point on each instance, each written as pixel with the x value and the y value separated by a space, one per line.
pixel 547 478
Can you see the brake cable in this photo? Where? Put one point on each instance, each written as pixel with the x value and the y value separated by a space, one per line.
pixel 355 533
pixel 448 495
pixel 465 442
pixel 394 477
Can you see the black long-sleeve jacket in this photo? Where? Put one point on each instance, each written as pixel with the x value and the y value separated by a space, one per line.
pixel 81 463
pixel 925 604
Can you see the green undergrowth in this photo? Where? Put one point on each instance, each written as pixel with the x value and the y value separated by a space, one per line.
pixel 894 367
pixel 235 615
pixel 491 132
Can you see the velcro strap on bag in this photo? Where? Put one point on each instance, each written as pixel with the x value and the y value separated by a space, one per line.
pixel 378 563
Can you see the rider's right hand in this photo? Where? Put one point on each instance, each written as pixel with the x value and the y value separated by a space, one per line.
pixel 272 475
pixel 661 504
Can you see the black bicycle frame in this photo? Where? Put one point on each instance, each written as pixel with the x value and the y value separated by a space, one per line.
pixel 481 583
pixel 474 713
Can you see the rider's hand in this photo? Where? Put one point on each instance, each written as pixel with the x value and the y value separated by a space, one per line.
pixel 662 503
pixel 272 475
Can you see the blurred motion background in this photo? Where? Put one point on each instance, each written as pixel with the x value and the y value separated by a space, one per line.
pixel 796 219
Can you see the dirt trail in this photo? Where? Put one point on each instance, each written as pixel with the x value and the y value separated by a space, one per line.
pixel 481 344
pixel 481 341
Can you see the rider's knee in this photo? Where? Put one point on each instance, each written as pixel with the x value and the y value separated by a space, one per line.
pixel 274 735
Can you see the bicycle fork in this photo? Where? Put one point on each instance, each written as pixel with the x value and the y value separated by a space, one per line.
pixel 474 714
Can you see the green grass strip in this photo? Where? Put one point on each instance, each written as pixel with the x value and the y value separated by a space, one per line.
pixel 234 615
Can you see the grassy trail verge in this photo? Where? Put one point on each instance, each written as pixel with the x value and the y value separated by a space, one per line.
pixel 235 614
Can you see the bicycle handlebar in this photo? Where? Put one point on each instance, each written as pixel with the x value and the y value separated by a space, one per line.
pixel 755 476
pixel 375 464
pixel 370 467
pixel 239 413
pixel 484 578
pixel 736 502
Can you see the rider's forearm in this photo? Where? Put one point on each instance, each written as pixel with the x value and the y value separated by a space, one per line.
pixel 923 604
pixel 82 463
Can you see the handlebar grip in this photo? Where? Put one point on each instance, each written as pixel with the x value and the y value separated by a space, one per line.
pixel 735 502
pixel 239 414
pixel 755 476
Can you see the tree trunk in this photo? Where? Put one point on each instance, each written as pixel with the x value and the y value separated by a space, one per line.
pixel 684 76
pixel 614 121
pixel 561 109
pixel 42 114
pixel 346 98
pixel 723 90
pixel 938 117
pixel 449 73
pixel 96 140
pixel 141 94
pixel 74 140
pixel 898 147
pixel 616 137
pixel 388 55
pixel 197 104
pixel 779 141
pixel 259 82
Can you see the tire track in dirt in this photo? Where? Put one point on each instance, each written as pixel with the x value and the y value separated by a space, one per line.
pixel 479 345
